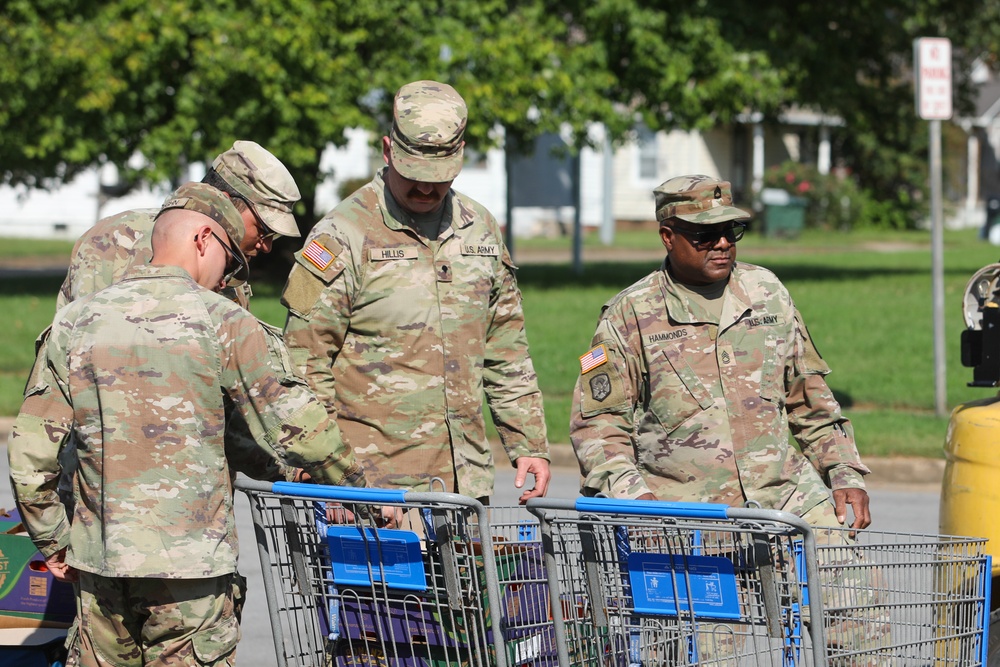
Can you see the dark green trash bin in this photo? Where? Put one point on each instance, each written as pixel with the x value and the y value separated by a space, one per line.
pixel 784 216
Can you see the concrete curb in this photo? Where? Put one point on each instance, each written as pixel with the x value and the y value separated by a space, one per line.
pixel 896 471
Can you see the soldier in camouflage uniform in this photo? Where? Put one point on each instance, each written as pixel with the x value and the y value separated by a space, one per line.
pixel 403 309
pixel 141 374
pixel 257 183
pixel 264 193
pixel 697 373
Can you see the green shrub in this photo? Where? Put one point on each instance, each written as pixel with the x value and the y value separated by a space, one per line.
pixel 836 201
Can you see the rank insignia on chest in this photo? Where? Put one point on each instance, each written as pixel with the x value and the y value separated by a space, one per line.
pixel 318 255
pixel 593 359
pixel 727 357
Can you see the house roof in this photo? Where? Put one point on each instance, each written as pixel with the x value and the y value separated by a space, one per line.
pixel 987 103
pixel 796 115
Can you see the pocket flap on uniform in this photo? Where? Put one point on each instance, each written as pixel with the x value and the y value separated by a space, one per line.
pixel 212 644
pixel 690 379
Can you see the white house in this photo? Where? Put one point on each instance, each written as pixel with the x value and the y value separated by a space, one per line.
pixel 613 189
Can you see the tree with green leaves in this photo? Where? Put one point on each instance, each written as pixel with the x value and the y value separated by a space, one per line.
pixel 177 81
pixel 88 83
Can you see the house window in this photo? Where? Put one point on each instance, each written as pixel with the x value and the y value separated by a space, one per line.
pixel 647 153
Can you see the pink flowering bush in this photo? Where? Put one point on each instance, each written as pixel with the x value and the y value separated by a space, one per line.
pixel 833 200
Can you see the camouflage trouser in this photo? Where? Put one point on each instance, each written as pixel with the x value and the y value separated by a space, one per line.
pixel 136 622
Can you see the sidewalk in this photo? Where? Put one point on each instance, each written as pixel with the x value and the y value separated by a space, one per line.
pixel 920 473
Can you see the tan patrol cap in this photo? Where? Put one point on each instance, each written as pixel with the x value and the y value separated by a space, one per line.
pixel 213 203
pixel 428 123
pixel 698 199
pixel 264 181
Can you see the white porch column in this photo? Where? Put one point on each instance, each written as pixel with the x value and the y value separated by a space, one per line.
pixel 972 180
pixel 823 159
pixel 758 158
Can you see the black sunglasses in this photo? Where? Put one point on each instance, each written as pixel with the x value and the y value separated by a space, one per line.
pixel 231 270
pixel 709 238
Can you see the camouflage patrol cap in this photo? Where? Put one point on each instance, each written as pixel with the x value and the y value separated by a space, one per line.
pixel 698 199
pixel 428 123
pixel 214 203
pixel 264 181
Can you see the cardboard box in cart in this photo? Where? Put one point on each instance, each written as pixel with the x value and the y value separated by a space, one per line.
pixel 30 597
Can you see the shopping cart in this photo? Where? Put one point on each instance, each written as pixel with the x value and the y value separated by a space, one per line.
pixel 456 584
pixel 643 583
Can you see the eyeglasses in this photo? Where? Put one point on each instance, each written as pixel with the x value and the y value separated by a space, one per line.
pixel 709 238
pixel 264 233
pixel 231 270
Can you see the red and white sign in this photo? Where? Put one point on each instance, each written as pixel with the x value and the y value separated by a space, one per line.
pixel 932 65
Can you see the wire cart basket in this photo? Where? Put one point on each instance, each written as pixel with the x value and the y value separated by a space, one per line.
pixel 423 594
pixel 643 583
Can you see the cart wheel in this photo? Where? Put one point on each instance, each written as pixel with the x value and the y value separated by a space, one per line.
pixel 993 654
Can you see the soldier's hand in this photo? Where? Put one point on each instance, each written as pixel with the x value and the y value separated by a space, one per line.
pixel 858 500
pixel 537 467
pixel 389 517
pixel 59 569
pixel 337 513
pixel 646 496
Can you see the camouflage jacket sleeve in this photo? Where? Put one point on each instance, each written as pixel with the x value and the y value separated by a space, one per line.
pixel 247 457
pixel 319 307
pixel 241 449
pixel 814 418
pixel 601 424
pixel 509 378
pixel 40 432
pixel 281 411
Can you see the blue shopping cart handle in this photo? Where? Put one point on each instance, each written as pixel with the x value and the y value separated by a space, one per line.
pixel 342 493
pixel 653 508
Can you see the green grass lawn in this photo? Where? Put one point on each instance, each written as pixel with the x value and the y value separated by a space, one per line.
pixel 865 296
pixel 17 248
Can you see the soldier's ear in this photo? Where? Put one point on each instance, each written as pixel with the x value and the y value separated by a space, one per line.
pixel 667 237
pixel 201 239
pixel 387 149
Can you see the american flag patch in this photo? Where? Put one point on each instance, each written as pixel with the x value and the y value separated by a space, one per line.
pixel 316 253
pixel 593 359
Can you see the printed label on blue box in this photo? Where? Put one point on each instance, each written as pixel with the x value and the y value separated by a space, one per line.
pixel 668 584
pixel 381 555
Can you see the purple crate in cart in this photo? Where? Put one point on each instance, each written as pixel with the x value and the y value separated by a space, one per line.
pixel 411 629
pixel 407 620
pixel 403 631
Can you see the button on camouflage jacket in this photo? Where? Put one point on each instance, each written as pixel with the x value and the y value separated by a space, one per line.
pixel 401 337
pixel 693 411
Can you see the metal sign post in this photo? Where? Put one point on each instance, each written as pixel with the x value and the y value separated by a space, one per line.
pixel 932 65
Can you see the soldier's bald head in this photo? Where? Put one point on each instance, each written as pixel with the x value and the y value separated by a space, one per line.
pixel 175 226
